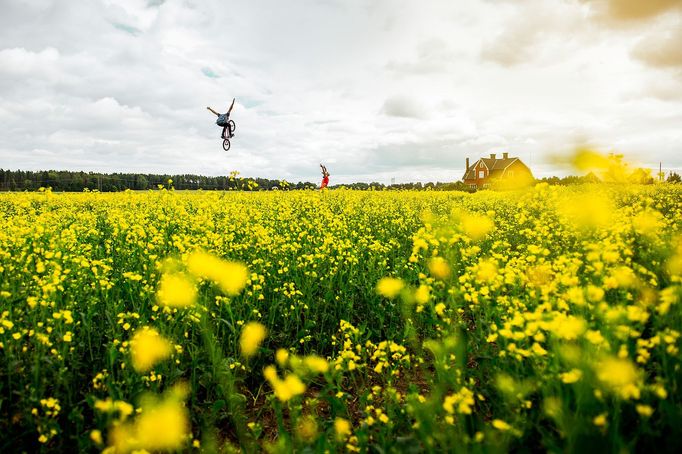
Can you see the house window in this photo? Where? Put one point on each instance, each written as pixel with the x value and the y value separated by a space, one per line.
pixel 481 174
pixel 510 173
pixel 472 186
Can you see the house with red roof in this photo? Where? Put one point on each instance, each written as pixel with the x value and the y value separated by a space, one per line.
pixel 488 171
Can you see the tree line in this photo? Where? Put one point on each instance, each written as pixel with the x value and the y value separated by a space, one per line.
pixel 70 181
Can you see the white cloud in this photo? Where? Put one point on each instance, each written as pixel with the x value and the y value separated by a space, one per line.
pixel 661 49
pixel 402 106
pixel 632 10
pixel 379 90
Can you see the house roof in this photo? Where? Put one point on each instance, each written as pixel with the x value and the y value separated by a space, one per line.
pixel 495 166
pixel 498 164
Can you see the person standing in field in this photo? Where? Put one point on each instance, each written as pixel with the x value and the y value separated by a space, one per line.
pixel 325 177
pixel 224 121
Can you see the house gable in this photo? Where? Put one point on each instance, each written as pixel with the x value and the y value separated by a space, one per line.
pixel 496 169
pixel 470 173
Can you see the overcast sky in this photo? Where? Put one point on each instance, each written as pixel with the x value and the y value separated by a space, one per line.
pixel 375 89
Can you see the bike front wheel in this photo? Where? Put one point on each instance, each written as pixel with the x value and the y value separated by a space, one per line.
pixel 232 126
pixel 226 144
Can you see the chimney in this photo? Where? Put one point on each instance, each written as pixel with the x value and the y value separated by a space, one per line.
pixel 505 155
pixel 492 155
pixel 467 164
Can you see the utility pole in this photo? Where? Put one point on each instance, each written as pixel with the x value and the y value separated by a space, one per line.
pixel 660 171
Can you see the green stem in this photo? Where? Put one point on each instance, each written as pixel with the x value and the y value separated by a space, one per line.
pixel 226 383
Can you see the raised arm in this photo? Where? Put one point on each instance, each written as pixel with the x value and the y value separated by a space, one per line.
pixel 216 113
pixel 231 106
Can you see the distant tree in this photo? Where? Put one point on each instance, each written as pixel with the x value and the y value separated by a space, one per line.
pixel 141 182
pixel 674 177
pixel 591 178
pixel 550 180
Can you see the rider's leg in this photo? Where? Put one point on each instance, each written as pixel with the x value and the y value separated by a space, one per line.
pixel 223 136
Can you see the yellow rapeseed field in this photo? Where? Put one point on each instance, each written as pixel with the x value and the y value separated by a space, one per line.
pixel 543 319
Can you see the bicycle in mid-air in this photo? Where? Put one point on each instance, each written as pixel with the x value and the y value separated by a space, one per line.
pixel 224 122
pixel 228 131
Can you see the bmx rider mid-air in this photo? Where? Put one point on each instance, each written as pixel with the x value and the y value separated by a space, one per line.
pixel 325 177
pixel 224 121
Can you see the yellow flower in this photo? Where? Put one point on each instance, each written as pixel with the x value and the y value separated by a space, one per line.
pixel 487 271
pixel 589 210
pixel 231 277
pixel 148 347
pixel 440 308
pixel 291 386
pixel 389 287
pixel 162 425
pixel 439 268
pixel 648 222
pixel 281 356
pixel 422 295
pixel 68 337
pixel 668 297
pixel 594 337
pixel 476 226
pixel 316 364
pixel 342 428
pixel 501 425
pixel 568 327
pixel 620 375
pixel 104 406
pixel 572 376
pixel 674 264
pixel 96 436
pixel 252 335
pixel 463 400
pixel 175 290
pixel 124 408
pixel 600 420
pixel 285 389
pixel 594 293
pixel 644 410
pixel 624 276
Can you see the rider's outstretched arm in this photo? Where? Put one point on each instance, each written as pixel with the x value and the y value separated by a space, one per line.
pixel 213 111
pixel 231 106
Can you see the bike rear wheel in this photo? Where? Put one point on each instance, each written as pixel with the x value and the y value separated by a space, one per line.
pixel 232 126
pixel 226 144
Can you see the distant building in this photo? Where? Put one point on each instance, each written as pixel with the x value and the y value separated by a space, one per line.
pixel 487 171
